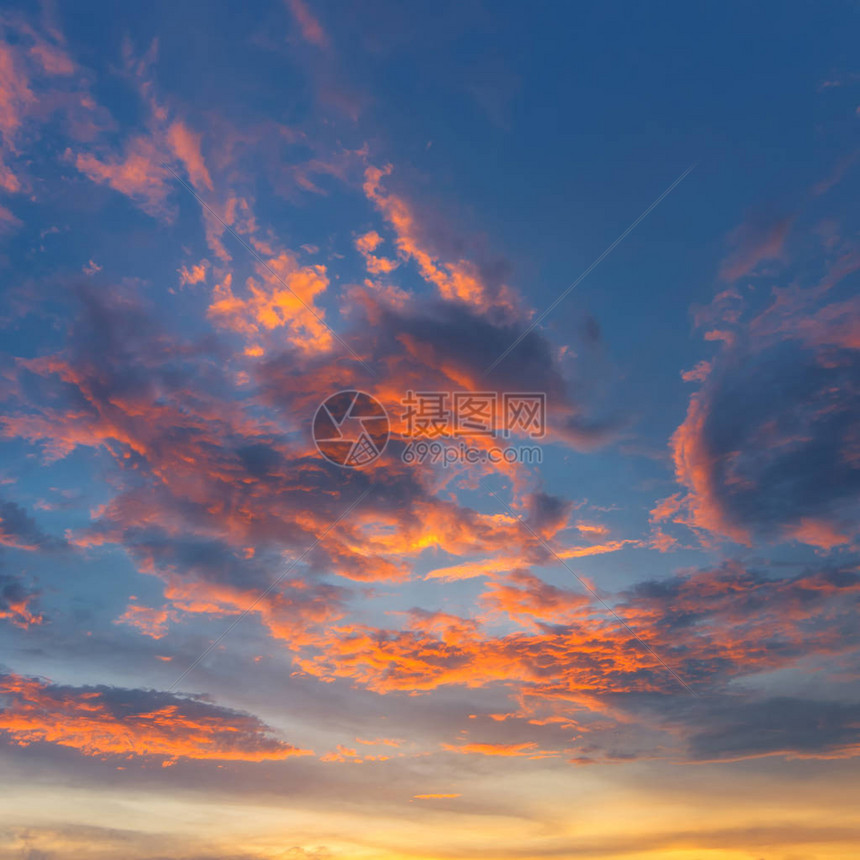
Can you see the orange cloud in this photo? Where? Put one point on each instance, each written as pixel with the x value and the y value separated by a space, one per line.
pixel 186 147
pixel 472 569
pixel 698 374
pixel 596 549
pixel 150 622
pixel 17 603
pixel 529 749
pixel 281 297
pixel 19 613
pixel 435 796
pixel 139 174
pixel 581 650
pixel 106 721
pixel 195 275
pixel 695 469
pixel 347 754
pixel 144 170
pixel 819 533
pixel 527 599
pixel 366 245
pixel 456 280
pixel 388 742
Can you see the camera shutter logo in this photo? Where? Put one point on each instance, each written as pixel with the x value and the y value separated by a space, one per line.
pixel 351 429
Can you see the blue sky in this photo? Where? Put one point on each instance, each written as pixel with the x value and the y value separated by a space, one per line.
pixel 218 644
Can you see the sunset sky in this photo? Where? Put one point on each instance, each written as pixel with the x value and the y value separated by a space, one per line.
pixel 216 644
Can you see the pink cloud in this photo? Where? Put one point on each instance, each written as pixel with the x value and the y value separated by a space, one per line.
pixel 140 174
pixel 310 28
pixel 754 244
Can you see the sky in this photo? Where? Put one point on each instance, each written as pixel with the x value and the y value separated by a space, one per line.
pixel 247 616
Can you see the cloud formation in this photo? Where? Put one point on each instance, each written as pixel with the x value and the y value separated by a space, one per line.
pixel 768 448
pixel 18 602
pixel 110 721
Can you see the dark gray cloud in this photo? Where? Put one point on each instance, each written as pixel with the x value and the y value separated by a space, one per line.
pixel 548 512
pixel 18 529
pixel 17 601
pixel 784 725
pixel 780 431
